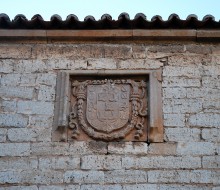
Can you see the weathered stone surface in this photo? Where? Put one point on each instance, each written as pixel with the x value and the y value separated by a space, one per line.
pixel 8 106
pixel 199 49
pixel 180 82
pixel 30 66
pixel 41 121
pixel 17 51
pixel 28 187
pixel 118 51
pixel 101 162
pixel 189 59
pixel 3 133
pixel 182 106
pixel 161 162
pixel 140 187
pixel 26 163
pixel 16 92
pixel 35 107
pixel 211 135
pixel 178 176
pixel 101 187
pixel 46 79
pixel 182 134
pixel 139 148
pixel 174 120
pixel 177 71
pixel 40 176
pixel 84 176
pixel 13 120
pixel 183 187
pixel 205 120
pixel 139 51
pixel 6 66
pixel 211 162
pixel 140 64
pixel 101 63
pixel 125 176
pixel 168 48
pixel 82 148
pixel 162 149
pixel 62 163
pixel 46 93
pixel 196 148
pixel 14 149
pixel 50 148
pixel 174 92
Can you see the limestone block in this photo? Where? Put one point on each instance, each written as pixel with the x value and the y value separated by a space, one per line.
pixel 182 134
pixel 199 49
pixel 46 79
pixel 180 82
pixel 162 149
pixel 35 107
pixel 20 187
pixel 182 105
pixel 59 163
pixel 17 51
pixel 139 148
pixel 46 93
pixel 140 64
pixel 82 147
pixel 14 149
pixel 30 66
pixel 139 51
pixel 140 187
pixel 45 148
pixel 16 92
pixel 118 51
pixel 6 65
pixel 178 71
pixel 196 148
pixel 22 163
pixel 101 187
pixel 3 133
pixel 13 120
pixel 8 106
pixel 211 162
pixel 205 120
pixel 211 135
pixel 125 176
pixel 165 162
pixel 189 60
pixel 101 63
pixel 174 120
pixel 175 92
pixel 77 176
pixel 101 162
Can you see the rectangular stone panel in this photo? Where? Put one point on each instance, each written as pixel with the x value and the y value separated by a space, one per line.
pixel 108 105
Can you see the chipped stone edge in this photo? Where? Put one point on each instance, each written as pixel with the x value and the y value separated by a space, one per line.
pixel 155 129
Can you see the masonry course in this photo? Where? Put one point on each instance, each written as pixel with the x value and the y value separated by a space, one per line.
pixel 187 159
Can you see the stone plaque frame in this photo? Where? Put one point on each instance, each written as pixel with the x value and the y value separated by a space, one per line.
pixel 63 99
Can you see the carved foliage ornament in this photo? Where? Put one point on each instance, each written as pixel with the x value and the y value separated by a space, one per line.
pixel 109 109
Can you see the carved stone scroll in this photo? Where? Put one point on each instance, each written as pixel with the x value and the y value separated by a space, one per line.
pixel 108 109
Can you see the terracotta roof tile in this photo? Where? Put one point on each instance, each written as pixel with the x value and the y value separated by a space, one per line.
pixel 140 21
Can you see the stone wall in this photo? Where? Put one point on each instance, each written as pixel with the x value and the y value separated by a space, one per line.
pixel 189 157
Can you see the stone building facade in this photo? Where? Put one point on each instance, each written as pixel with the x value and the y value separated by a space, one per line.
pixel 188 157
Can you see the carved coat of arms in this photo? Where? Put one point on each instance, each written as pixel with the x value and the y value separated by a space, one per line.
pixel 108 109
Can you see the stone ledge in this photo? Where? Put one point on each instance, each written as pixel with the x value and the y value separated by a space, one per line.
pixel 76 35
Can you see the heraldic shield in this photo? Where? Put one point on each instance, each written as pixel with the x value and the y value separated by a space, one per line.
pixel 108 109
pixel 108 106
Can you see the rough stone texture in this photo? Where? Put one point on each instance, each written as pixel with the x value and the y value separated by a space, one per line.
pixel 188 159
